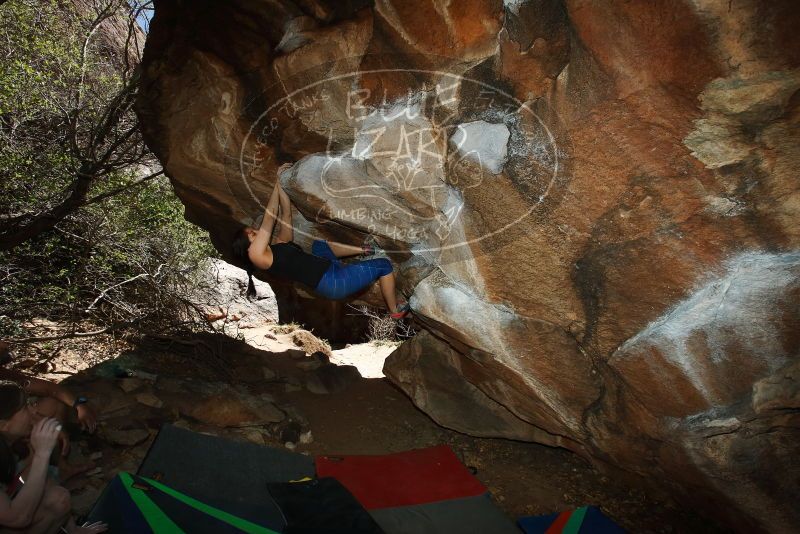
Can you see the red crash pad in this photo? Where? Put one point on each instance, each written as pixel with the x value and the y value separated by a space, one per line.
pixel 402 479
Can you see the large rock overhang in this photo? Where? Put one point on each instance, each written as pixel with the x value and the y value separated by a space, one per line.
pixel 593 207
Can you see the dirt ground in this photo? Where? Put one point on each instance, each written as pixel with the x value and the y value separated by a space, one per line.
pixel 373 417
pixel 368 416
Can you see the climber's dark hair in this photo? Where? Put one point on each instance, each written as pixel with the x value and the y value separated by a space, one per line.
pixel 239 248
pixel 13 398
pixel 8 464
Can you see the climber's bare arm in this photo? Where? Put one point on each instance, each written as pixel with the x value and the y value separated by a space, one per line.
pixel 285 230
pixel 340 250
pixel 259 251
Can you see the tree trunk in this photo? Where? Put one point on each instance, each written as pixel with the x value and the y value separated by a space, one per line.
pixel 13 235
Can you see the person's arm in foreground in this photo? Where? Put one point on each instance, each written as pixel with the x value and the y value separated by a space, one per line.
pixel 44 388
pixel 19 512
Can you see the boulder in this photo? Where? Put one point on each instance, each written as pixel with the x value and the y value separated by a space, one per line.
pixel 593 208
pixel 128 437
pixel 219 404
pixel 331 378
pixel 222 293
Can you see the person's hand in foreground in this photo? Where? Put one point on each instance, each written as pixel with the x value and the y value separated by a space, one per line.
pixel 44 436
pixel 19 512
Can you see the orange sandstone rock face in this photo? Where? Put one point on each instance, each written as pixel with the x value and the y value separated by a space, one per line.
pixel 592 206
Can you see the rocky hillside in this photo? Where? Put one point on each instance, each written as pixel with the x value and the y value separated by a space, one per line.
pixel 593 207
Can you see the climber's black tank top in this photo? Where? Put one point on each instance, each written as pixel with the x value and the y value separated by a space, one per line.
pixel 289 261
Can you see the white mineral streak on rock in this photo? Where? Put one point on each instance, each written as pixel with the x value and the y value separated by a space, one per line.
pixel 294 36
pixel 447 88
pixel 484 325
pixel 743 302
pixel 443 8
pixel 456 259
pixel 333 177
pixel 386 10
pixel 446 301
pixel 513 5
pixel 484 143
pixel 725 207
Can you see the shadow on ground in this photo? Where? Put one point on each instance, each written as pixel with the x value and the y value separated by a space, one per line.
pixel 225 387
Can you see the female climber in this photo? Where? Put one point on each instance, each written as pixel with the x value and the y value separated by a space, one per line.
pixel 321 270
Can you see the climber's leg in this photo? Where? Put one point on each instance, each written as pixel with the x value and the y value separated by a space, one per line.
pixel 386 283
pixel 342 280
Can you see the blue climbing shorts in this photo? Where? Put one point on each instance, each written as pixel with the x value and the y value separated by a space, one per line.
pixel 343 279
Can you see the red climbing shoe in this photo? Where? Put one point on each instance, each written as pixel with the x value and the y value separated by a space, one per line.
pixel 402 310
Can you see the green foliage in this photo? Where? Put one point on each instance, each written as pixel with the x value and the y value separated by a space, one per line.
pixel 133 249
pixel 142 234
pixel 45 59
pixel 38 70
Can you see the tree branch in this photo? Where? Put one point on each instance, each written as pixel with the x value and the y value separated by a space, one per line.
pixel 11 237
pixel 137 9
pixel 106 330
pixel 138 276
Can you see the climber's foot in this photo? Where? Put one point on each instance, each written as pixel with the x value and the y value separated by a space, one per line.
pixel 370 247
pixel 401 311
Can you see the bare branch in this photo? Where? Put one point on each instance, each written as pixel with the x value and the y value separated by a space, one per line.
pixel 133 23
pixel 103 15
pixel 105 291
pixel 381 327
pixel 106 330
